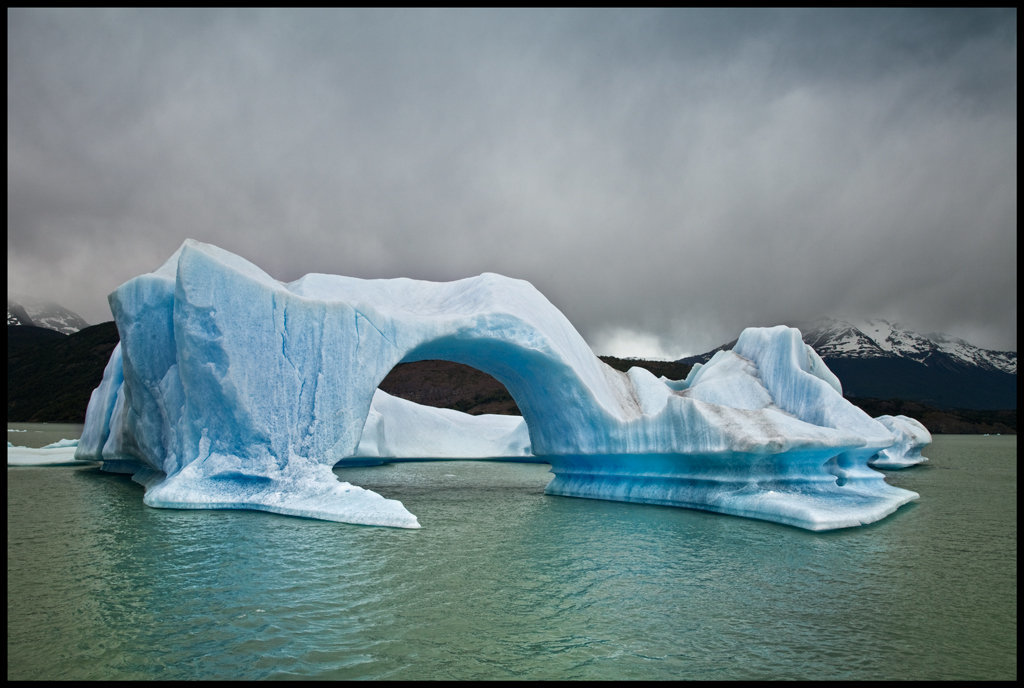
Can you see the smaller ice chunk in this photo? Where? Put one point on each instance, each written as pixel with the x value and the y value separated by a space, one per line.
pixel 62 444
pixel 60 453
pixel 397 428
pixel 911 438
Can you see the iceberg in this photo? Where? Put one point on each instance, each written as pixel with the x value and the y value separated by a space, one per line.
pixel 230 389
pixel 397 428
pixel 911 438
pixel 59 453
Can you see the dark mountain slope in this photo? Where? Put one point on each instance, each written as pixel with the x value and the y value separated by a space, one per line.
pixel 941 382
pixel 50 376
pixel 444 384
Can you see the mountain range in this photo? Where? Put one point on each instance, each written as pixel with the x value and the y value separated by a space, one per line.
pixel 947 383
pixel 27 311
pixel 870 339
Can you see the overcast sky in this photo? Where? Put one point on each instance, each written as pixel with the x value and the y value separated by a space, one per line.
pixel 665 177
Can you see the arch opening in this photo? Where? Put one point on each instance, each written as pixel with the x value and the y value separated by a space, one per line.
pixel 449 384
pixel 443 408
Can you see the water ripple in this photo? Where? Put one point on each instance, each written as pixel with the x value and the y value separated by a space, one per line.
pixel 504 582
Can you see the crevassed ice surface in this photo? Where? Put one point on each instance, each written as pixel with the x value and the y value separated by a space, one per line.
pixel 230 389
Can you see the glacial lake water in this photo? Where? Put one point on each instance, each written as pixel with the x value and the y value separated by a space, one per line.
pixel 504 582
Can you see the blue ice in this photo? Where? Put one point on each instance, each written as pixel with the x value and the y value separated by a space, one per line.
pixel 230 389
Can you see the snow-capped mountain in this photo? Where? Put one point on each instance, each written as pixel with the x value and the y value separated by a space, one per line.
pixel 16 315
pixel 833 338
pixel 40 314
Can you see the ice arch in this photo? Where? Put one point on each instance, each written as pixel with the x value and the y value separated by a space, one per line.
pixel 231 389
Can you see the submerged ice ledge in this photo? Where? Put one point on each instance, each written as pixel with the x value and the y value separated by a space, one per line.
pixel 230 389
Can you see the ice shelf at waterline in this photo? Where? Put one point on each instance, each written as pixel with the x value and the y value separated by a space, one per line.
pixel 230 389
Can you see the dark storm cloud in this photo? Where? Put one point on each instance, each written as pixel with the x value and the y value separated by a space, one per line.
pixel 667 177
